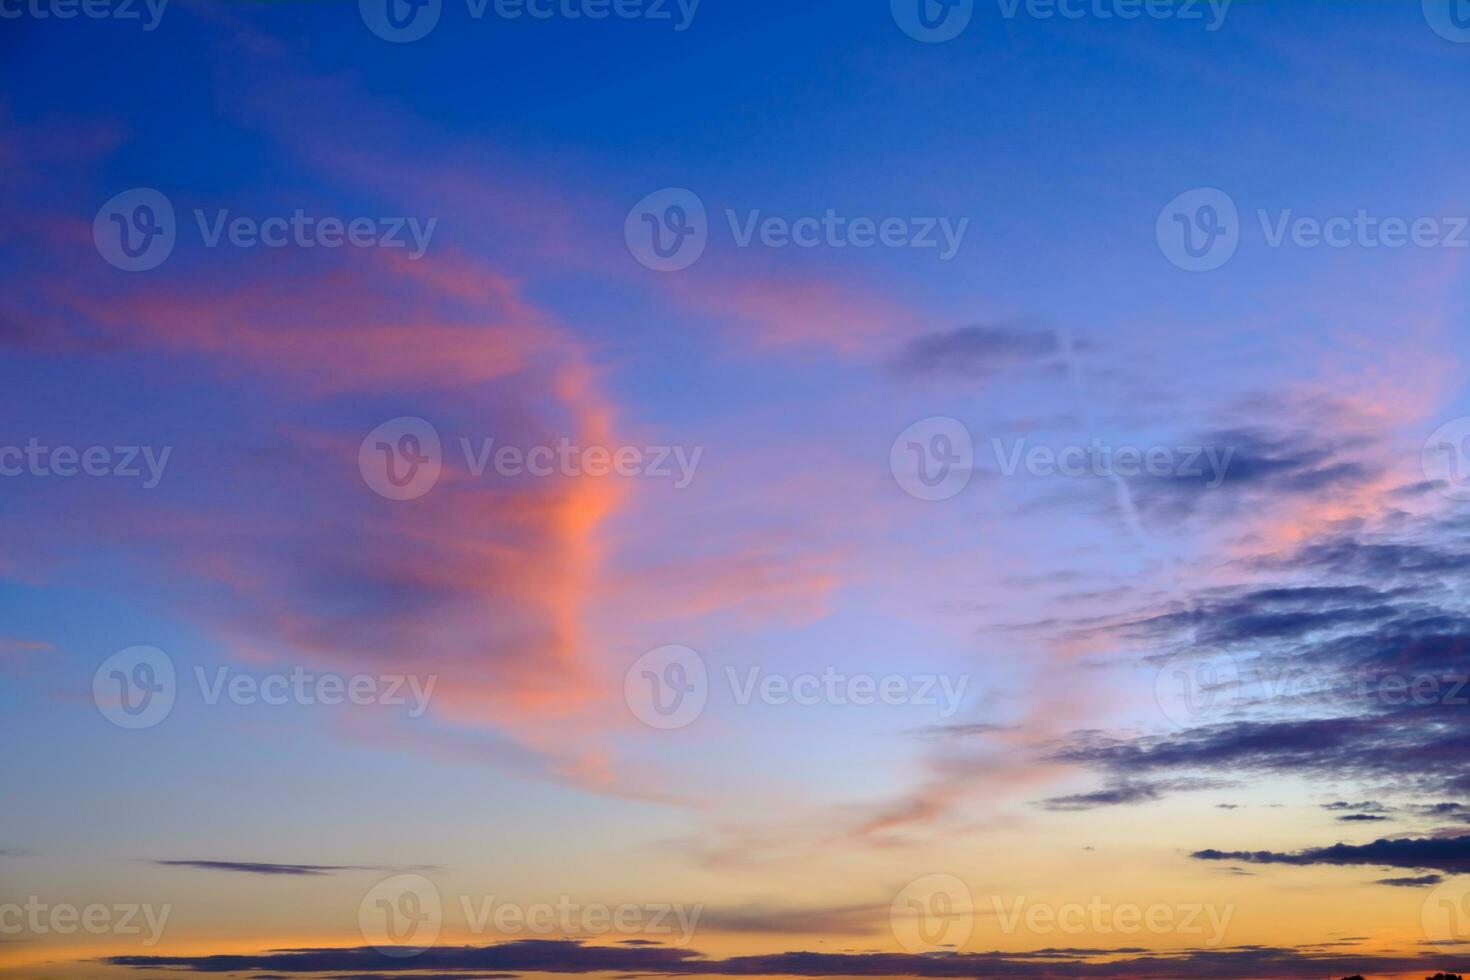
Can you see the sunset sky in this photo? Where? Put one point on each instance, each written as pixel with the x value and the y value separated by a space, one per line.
pixel 811 488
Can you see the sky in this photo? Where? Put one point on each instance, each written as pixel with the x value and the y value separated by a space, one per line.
pixel 822 488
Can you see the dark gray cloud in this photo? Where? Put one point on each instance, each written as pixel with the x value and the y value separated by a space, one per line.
pixel 1444 854
pixel 1418 881
pixel 972 352
pixel 565 956
pixel 270 868
pixel 1113 796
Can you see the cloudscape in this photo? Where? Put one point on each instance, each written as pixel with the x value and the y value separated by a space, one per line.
pixel 518 489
